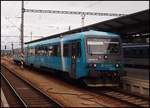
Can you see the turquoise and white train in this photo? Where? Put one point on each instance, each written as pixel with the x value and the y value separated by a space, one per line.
pixel 92 56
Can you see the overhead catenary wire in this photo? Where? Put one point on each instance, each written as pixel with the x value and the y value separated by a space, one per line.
pixel 72 12
pixel 83 14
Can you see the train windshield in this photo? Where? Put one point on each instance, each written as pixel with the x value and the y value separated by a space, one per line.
pixel 103 46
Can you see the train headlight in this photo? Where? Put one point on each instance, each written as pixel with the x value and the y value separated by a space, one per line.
pixel 94 65
pixel 105 57
pixel 99 57
pixel 117 65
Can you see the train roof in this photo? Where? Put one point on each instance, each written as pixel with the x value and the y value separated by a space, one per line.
pixel 99 33
pixel 77 35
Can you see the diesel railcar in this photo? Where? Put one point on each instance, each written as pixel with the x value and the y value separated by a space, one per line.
pixel 92 56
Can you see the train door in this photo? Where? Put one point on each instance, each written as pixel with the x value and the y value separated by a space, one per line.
pixel 73 59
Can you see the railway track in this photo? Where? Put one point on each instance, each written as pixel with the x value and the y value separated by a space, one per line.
pixel 130 99
pixel 28 95
pixel 116 96
pixel 122 96
pixel 11 98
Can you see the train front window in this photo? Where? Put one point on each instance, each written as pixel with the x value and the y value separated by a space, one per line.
pixel 103 46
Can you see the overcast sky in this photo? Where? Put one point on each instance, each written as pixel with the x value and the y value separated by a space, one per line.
pixel 44 24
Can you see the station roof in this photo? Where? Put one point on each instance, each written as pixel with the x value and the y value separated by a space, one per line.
pixel 124 25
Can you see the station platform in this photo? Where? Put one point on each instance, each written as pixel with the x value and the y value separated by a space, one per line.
pixel 142 74
pixel 136 81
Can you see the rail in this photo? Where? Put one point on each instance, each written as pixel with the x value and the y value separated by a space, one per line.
pixel 23 90
pixel 133 100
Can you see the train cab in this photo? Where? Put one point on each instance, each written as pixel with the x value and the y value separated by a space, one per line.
pixel 104 58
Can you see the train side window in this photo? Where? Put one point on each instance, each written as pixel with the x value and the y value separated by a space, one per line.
pixel 50 50
pixel 78 49
pixel 54 50
pixel 134 52
pixel 39 51
pixel 140 54
pixel 58 50
pixel 146 52
pixel 46 51
pixel 31 51
pixel 66 50
pixel 125 52
pixel 131 52
pixel 36 51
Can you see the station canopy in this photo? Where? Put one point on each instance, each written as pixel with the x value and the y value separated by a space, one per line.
pixel 125 25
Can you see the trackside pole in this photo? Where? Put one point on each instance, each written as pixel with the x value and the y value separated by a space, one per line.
pixel 22 34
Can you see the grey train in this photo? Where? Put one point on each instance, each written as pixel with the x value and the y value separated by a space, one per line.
pixel 136 55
